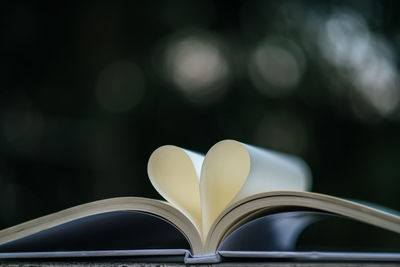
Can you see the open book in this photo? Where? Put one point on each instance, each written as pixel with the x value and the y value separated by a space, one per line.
pixel 237 201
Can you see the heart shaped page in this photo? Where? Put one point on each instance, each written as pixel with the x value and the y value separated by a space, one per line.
pixel 174 173
pixel 225 170
pixel 232 171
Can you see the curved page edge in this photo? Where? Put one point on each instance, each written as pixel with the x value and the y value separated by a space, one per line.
pixel 156 207
pixel 268 201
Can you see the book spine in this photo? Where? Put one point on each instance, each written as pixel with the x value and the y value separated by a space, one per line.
pixel 202 259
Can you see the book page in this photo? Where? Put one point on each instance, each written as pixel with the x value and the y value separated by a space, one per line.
pixel 122 205
pixel 174 173
pixel 113 230
pixel 233 171
pixel 271 202
pixel 273 171
pixel 281 230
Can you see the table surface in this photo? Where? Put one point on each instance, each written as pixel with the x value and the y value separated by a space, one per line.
pixel 97 263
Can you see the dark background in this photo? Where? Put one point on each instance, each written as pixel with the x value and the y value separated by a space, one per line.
pixel 89 89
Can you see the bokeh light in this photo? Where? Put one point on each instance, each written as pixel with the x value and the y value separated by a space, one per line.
pixel 276 70
pixel 363 58
pixel 197 66
pixel 344 39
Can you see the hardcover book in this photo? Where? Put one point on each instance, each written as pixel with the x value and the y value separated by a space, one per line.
pixel 237 201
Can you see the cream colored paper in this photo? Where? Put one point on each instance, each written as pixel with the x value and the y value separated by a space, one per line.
pixel 174 173
pixel 233 170
pixel 230 172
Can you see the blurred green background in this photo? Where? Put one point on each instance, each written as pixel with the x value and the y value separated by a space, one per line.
pixel 90 88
